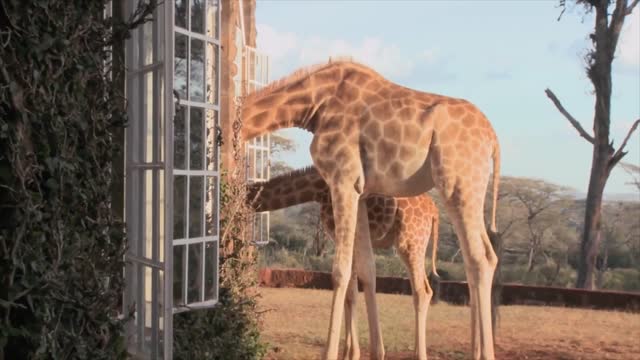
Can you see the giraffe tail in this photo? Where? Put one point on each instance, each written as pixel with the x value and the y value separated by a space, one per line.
pixel 434 247
pixel 496 182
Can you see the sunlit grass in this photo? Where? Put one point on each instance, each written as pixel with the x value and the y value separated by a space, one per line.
pixel 297 320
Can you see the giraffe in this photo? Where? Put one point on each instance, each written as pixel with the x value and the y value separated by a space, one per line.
pixel 404 223
pixel 372 136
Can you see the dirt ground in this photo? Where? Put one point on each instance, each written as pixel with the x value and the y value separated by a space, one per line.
pixel 296 321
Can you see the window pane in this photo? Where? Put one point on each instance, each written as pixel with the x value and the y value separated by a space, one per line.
pixel 148 213
pixel 211 270
pixel 179 135
pixel 179 206
pixel 196 131
pixel 196 83
pixel 197 16
pixel 265 227
pixel 211 216
pixel 212 73
pixel 195 206
pixel 194 289
pixel 265 164
pixel 149 120
pixel 178 274
pixel 212 18
pixel 252 163
pixel 258 164
pixel 181 13
pixel 181 66
pixel 212 144
pixel 147 28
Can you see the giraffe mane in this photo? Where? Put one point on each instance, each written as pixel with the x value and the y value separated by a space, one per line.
pixel 301 74
pixel 292 174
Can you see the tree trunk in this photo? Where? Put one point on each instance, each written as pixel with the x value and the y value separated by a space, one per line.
pixel 530 261
pixel 592 219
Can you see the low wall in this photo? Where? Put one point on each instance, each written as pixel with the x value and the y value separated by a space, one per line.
pixel 456 292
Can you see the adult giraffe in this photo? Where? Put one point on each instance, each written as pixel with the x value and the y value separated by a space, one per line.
pixel 374 136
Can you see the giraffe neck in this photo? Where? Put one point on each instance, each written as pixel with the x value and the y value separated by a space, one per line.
pixel 296 101
pixel 296 187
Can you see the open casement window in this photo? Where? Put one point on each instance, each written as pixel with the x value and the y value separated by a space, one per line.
pixel 256 69
pixel 172 170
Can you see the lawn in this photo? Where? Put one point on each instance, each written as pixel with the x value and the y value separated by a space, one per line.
pixel 296 322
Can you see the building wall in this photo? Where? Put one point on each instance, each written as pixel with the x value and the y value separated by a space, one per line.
pixel 231 19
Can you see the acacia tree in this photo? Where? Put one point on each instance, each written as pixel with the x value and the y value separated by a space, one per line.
pixel 599 60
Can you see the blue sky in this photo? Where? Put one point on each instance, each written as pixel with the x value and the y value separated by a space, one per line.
pixel 500 55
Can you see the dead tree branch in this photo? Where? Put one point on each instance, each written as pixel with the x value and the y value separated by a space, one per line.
pixel 569 117
pixel 620 153
pixel 631 6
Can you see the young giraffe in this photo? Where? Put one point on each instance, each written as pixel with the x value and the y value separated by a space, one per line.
pixel 374 136
pixel 405 223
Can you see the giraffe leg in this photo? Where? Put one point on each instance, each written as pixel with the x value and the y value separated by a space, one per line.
pixel 479 261
pixel 366 269
pixel 345 208
pixel 422 294
pixel 352 348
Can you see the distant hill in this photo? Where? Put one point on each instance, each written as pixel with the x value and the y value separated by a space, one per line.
pixel 632 197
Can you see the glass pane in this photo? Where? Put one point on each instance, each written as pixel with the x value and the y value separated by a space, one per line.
pixel 196 81
pixel 210 270
pixel 211 216
pixel 258 164
pixel 179 206
pixel 148 214
pixel 265 227
pixel 161 218
pixel 196 131
pixel 195 206
pixel 212 73
pixel 212 145
pixel 179 138
pixel 197 16
pixel 194 289
pixel 178 274
pixel 148 43
pixel 181 66
pixel 148 109
pixel 212 18
pixel 256 228
pixel 252 163
pixel 181 13
pixel 147 296
pixel 265 164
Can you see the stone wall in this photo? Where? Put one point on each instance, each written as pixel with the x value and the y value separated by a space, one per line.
pixel 456 292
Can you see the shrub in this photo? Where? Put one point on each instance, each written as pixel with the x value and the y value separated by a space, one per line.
pixel 61 253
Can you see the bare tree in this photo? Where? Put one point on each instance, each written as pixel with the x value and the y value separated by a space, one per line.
pixel 634 171
pixel 605 37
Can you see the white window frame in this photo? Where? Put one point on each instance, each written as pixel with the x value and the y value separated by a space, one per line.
pixel 149 179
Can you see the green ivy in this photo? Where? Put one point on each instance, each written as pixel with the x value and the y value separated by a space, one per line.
pixel 61 248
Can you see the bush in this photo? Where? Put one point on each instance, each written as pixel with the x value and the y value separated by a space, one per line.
pixel 622 279
pixel 62 249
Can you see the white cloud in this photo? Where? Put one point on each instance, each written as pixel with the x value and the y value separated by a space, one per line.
pixel 629 47
pixel 274 43
pixel 386 59
pixel 295 51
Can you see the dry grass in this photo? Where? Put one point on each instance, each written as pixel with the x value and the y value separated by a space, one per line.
pixel 297 321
